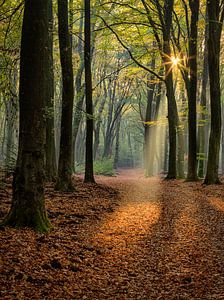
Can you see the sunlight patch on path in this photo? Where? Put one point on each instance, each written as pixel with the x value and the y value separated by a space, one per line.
pixel 133 220
pixel 128 225
pixel 217 203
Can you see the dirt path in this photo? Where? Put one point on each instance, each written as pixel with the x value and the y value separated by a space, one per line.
pixel 163 240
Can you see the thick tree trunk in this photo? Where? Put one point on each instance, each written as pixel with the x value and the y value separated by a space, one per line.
pixel 51 167
pixel 28 208
pixel 89 177
pixel 64 180
pixel 214 40
pixel 192 99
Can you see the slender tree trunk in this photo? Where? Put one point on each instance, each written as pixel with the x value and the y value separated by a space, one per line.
pixel 28 208
pixel 180 155
pixel 214 41
pixel 181 141
pixel 117 143
pixel 192 99
pixel 79 92
pixel 51 168
pixel 108 136
pixel 131 161
pixel 203 102
pixel 64 180
pixel 97 126
pixel 166 150
pixel 172 106
pixel 148 153
pixel 89 177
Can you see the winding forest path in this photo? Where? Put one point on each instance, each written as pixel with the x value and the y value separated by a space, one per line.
pixel 164 241
pixel 160 240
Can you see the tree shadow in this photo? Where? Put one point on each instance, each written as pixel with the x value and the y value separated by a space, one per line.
pixel 178 257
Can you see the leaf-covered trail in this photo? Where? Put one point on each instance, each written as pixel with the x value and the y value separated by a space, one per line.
pixel 161 240
pixel 165 241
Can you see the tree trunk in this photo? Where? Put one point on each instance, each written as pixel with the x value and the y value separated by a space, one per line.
pixel 203 102
pixel 28 207
pixel 214 40
pixel 51 168
pixel 148 153
pixel 181 140
pixel 64 180
pixel 79 92
pixel 108 136
pixel 192 99
pixel 117 144
pixel 11 120
pixel 172 106
pixel 98 124
pixel 89 177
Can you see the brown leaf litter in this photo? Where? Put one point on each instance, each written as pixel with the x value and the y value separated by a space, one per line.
pixel 128 237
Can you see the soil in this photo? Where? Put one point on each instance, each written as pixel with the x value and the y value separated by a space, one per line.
pixel 128 237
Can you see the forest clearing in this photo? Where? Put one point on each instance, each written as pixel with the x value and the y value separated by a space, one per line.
pixel 129 237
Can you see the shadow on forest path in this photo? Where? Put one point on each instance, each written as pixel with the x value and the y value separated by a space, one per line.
pixel 165 241
pixel 157 240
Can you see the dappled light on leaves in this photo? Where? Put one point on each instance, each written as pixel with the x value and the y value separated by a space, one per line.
pixel 156 239
pixel 133 220
pixel 217 203
pixel 127 226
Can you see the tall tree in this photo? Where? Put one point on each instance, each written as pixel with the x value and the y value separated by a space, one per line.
pixel 172 106
pixel 79 90
pixel 89 177
pixel 202 140
pixel 28 208
pixel 215 18
pixel 192 94
pixel 148 118
pixel 165 13
pixel 64 180
pixel 51 168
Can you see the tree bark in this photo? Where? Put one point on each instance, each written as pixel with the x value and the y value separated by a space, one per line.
pixel 117 144
pixel 148 153
pixel 89 177
pixel 192 99
pixel 215 28
pixel 203 102
pixel 79 92
pixel 28 207
pixel 172 106
pixel 64 180
pixel 98 123
pixel 51 167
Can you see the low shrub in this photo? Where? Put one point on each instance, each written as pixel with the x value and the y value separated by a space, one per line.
pixel 104 167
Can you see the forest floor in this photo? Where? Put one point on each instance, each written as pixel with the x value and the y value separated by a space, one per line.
pixel 129 237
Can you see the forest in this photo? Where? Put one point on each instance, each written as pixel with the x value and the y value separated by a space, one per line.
pixel 111 149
